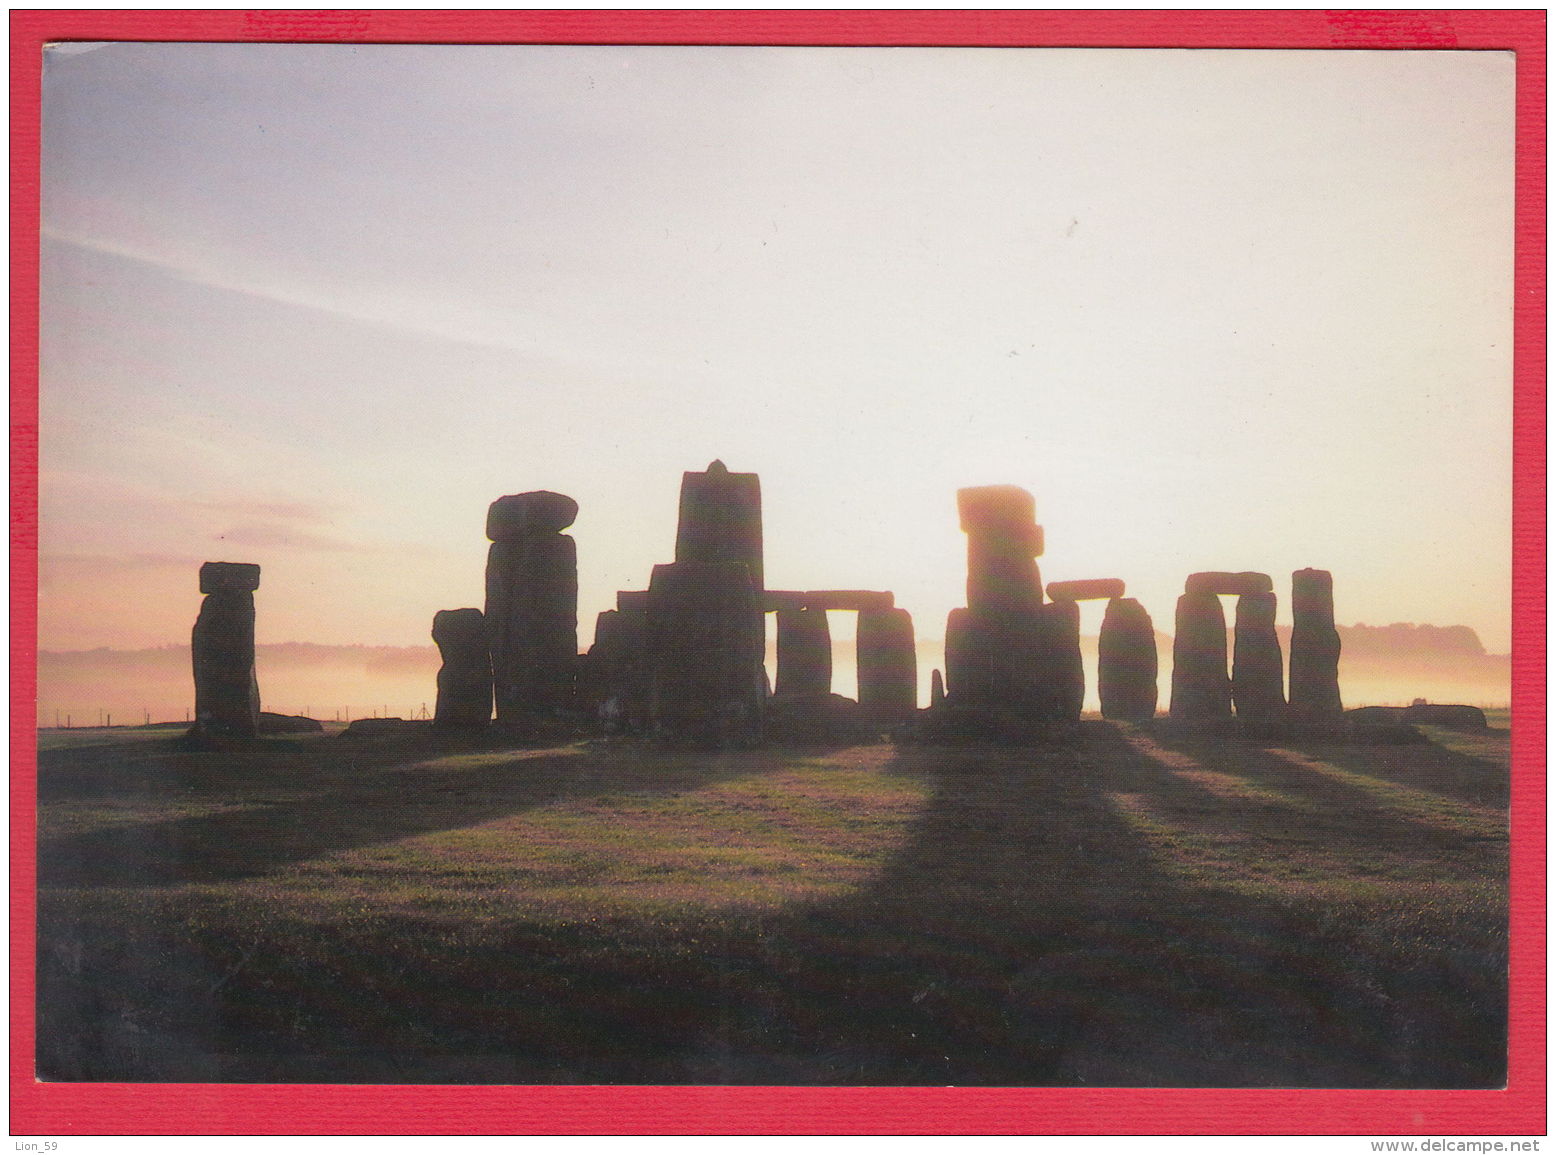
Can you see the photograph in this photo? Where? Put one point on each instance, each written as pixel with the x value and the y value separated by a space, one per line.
pixel 754 565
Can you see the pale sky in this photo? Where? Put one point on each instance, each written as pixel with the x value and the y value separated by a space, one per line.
pixel 315 307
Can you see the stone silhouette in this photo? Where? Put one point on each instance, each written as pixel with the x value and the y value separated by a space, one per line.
pixel 859 601
pixel 721 519
pixel 1453 717
pixel 288 724
pixel 777 601
pixel 523 515
pixel 976 664
pixel 885 648
pixel 615 670
pixel 1062 676
pixel 887 661
pixel 705 679
pixel 1063 681
pixel 1315 648
pixel 1201 690
pixel 804 652
pixel 222 644
pixel 1088 590
pixel 532 604
pixel 465 679
pixel 381 728
pixel 682 660
pixel 995 645
pixel 705 676
pixel 1258 691
pixel 1002 543
pixel 1126 662
pixel 1233 584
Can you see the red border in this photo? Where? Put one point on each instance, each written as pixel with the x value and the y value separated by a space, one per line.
pixel 115 1109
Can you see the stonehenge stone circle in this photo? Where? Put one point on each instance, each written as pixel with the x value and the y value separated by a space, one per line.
pixel 683 659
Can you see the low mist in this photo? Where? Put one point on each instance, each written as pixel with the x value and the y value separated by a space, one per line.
pixel 1379 665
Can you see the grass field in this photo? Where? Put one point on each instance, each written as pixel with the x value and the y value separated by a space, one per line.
pixel 1110 905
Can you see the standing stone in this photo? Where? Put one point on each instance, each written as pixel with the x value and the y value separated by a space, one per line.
pixel 465 679
pixel 1315 647
pixel 996 663
pixel 995 646
pixel 721 520
pixel 222 645
pixel 705 642
pixel 936 690
pixel 1258 692
pixel 1201 691
pixel 620 635
pixel 888 663
pixel 1062 681
pixel 615 669
pixel 532 604
pixel 706 634
pixel 804 652
pixel 1126 662
pixel 1002 545
pixel 958 654
pixel 971 678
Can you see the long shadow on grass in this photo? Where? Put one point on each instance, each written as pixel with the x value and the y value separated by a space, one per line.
pixel 221 817
pixel 1434 766
pixel 1429 764
pixel 136 986
pixel 1076 912
pixel 1030 933
pixel 1367 803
